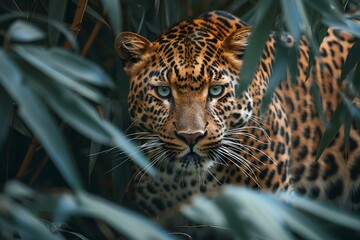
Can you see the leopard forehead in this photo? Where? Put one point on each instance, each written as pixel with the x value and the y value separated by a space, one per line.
pixel 189 55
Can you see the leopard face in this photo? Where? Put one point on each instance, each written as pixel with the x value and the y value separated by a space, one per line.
pixel 182 94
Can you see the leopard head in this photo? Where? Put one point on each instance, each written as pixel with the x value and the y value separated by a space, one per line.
pixel 182 93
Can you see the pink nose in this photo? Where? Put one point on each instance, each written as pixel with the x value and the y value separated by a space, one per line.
pixel 191 138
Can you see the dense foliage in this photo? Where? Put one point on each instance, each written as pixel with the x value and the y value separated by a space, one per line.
pixel 63 98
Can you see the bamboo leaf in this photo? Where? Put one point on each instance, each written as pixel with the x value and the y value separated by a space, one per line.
pixel 71 108
pixel 260 33
pixel 292 18
pixel 34 113
pixel 119 218
pixel 78 68
pixel 15 217
pixel 41 60
pixel 22 31
pixel 332 128
pixel 327 212
pixel 57 13
pixel 351 60
pixel 278 74
pixel 113 9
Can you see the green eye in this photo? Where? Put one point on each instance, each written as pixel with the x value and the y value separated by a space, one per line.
pixel 216 91
pixel 163 92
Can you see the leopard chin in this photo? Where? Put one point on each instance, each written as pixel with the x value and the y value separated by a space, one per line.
pixel 193 163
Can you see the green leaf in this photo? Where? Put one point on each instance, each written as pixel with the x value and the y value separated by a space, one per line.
pixel 332 128
pixel 204 210
pixel 78 68
pixel 267 223
pixel 129 223
pixel 42 60
pixel 327 8
pixel 64 30
pixel 317 99
pixel 327 212
pixel 37 117
pixel 351 60
pixel 56 12
pixel 333 16
pixel 113 9
pixel 263 23
pixel 72 108
pixel 278 74
pixel 22 31
pixel 18 190
pixel 292 17
pixel 15 217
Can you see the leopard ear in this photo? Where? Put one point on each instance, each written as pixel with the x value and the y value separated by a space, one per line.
pixel 237 41
pixel 131 46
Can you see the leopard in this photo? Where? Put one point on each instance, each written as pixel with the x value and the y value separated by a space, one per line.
pixel 200 134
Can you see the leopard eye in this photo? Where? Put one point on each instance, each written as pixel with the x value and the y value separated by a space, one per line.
pixel 163 92
pixel 216 91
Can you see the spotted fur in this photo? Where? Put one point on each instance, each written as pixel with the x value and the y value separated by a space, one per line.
pixel 199 140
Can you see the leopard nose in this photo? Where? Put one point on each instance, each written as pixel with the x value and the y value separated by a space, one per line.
pixel 191 138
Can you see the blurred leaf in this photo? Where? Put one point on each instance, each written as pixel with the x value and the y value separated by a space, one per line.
pixel 255 215
pixel 72 108
pixel 34 113
pixel 332 128
pixel 44 61
pixel 64 30
pixel 204 210
pixel 327 8
pixel 56 12
pixel 15 217
pixel 292 17
pixel 113 9
pixel 320 209
pixel 268 222
pixel 141 20
pixel 129 223
pixel 22 31
pixel 260 33
pixel 333 16
pixel 79 68
pixel 5 114
pixel 18 190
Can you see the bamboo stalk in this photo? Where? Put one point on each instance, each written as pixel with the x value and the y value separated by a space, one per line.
pixel 91 38
pixel 76 24
pixel 38 170
pixel 28 158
